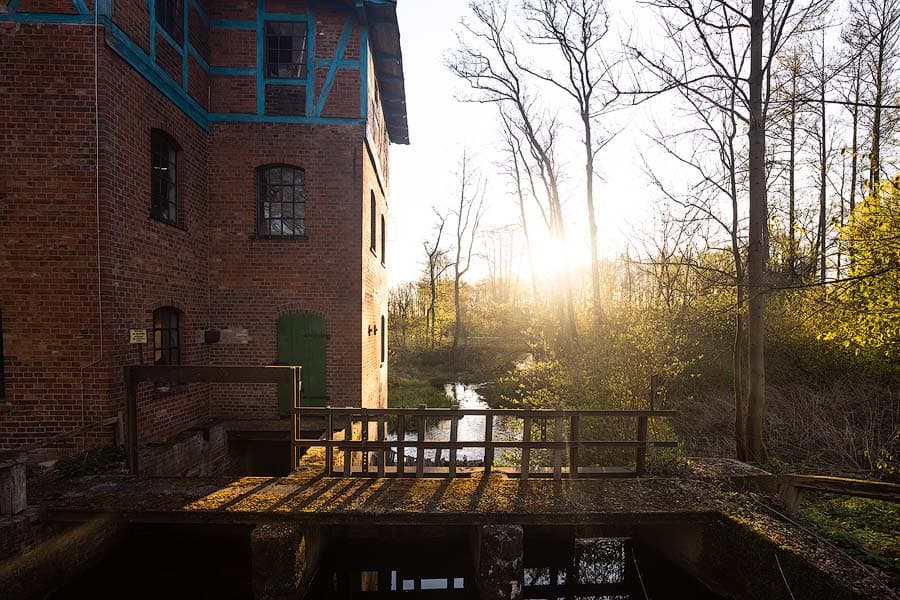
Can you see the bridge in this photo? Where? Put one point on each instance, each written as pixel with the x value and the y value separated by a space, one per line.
pixel 545 470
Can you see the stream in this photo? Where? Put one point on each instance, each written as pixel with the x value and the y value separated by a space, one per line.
pixel 470 428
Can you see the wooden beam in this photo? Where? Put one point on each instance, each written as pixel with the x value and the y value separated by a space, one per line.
pixel 207 374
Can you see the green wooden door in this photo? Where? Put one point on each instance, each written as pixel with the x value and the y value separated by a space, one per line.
pixel 301 341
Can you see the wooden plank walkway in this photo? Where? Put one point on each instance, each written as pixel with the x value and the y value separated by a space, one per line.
pixel 316 499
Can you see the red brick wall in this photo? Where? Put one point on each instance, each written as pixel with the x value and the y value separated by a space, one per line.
pixel 211 266
pixel 257 280
pixel 374 291
pixel 47 6
pixel 147 263
pixel 131 17
pixel 48 267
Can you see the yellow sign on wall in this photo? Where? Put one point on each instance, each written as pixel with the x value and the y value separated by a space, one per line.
pixel 137 336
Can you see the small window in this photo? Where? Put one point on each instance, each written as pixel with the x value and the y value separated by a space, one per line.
pixel 383 241
pixel 166 336
pixel 285 50
pixel 163 178
pixel 280 201
pixel 170 17
pixel 2 363
pixel 372 218
pixel 383 337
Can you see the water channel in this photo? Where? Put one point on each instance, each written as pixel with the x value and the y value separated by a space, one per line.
pixel 214 562
pixel 470 428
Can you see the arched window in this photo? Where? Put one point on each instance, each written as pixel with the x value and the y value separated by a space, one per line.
pixel 166 336
pixel 372 220
pixel 163 177
pixel 383 241
pixel 280 201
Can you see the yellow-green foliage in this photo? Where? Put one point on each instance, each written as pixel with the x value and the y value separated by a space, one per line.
pixel 867 315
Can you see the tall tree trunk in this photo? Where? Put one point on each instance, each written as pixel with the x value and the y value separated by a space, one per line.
pixel 792 183
pixel 823 173
pixel 592 221
pixel 737 356
pixel 756 324
pixel 875 157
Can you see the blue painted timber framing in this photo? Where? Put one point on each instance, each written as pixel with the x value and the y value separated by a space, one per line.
pixel 138 59
pixel 184 51
pixel 332 70
pixel 200 11
pixel 364 72
pixel 145 62
pixel 232 24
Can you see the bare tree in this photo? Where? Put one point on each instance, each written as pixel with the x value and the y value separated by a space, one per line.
pixel 519 171
pixel 437 264
pixel 487 61
pixel 716 44
pixel 877 40
pixel 577 29
pixel 403 307
pixel 468 213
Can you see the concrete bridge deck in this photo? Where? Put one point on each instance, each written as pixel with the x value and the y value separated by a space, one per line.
pixel 700 520
pixel 311 498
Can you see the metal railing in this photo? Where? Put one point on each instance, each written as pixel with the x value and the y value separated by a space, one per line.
pixel 357 439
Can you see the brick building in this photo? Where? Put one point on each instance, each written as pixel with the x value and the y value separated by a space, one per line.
pixel 212 171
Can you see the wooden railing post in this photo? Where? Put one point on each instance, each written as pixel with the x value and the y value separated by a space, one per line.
pixel 640 452
pixel 574 438
pixel 526 450
pixel 488 443
pixel 420 437
pixel 382 451
pixel 401 448
pixel 364 436
pixel 329 449
pixel 454 426
pixel 557 451
pixel 348 437
pixel 131 418
pixel 295 418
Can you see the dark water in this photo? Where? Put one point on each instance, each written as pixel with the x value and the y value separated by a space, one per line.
pixel 168 561
pixel 199 562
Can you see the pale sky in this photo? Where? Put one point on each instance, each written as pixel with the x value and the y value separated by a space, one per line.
pixel 440 126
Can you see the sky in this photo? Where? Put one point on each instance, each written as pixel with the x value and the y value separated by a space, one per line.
pixel 422 173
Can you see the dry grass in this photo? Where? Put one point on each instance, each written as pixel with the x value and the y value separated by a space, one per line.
pixel 843 427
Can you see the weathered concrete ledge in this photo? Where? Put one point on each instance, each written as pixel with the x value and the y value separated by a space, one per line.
pixel 58 559
pixel 285 558
pixel 314 499
pixel 697 513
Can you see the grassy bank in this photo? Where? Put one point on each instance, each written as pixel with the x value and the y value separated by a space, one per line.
pixel 411 393
pixel 866 529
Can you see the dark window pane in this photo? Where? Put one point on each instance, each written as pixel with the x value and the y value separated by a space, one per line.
pixel 163 184
pixel 281 202
pixel 169 16
pixel 285 49
pixel 166 336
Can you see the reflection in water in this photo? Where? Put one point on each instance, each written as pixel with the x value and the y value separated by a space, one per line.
pixel 470 428
pixel 359 562
pixel 556 568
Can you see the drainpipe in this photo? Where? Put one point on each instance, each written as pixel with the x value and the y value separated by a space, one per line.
pixel 99 359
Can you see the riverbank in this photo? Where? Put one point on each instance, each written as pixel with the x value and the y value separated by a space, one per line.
pixel 419 377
